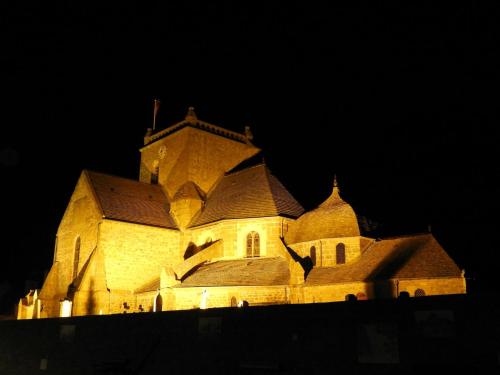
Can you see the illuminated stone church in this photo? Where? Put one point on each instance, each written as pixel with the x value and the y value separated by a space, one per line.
pixel 209 225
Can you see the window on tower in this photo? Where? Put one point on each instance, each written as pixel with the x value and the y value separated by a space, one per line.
pixel 156 172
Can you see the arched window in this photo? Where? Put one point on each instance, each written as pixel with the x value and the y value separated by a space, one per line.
pixel 234 302
pixel 313 255
pixel 253 244
pixel 340 253
pixel 76 257
pixel 156 172
pixel 419 293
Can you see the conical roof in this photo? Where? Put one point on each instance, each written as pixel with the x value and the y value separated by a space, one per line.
pixel 331 219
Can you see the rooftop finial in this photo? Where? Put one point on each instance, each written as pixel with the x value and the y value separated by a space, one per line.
pixel 248 133
pixel 336 190
pixel 155 112
pixel 191 115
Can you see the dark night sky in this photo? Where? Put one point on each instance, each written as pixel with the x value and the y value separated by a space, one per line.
pixel 399 102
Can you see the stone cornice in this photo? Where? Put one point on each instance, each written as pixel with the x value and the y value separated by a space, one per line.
pixel 214 129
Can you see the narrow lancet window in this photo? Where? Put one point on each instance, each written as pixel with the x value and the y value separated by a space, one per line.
pixel 340 253
pixel 253 244
pixel 76 257
pixel 313 255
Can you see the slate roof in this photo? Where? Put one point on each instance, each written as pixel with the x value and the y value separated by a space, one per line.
pixel 331 219
pixel 248 272
pixel 418 256
pixel 150 286
pixel 252 192
pixel 130 200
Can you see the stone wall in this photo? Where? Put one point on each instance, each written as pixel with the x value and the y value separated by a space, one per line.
pixel 79 221
pixel 134 254
pixel 383 289
pixel 316 339
pixel 234 233
pixel 191 298
pixel 326 253
pixel 435 286
pixel 333 292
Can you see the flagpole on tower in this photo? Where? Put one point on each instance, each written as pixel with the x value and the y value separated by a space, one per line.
pixel 155 112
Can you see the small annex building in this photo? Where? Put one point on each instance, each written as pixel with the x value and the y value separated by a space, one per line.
pixel 208 225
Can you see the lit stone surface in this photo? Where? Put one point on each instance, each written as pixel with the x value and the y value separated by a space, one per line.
pixel 181 236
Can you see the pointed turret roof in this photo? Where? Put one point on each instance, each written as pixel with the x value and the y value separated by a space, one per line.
pixel 191 115
pixel 331 219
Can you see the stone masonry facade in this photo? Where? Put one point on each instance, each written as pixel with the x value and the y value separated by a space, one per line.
pixel 208 225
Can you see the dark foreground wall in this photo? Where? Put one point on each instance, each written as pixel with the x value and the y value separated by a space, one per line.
pixel 395 336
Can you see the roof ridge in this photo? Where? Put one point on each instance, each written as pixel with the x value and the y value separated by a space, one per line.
pixel 396 237
pixel 122 178
pixel 244 170
pixel 267 173
pixel 151 186
pixel 85 173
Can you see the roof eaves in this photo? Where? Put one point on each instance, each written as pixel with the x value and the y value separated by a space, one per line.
pixel 137 223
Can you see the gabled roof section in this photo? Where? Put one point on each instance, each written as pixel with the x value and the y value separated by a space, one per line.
pixel 410 257
pixel 250 193
pixel 251 271
pixel 130 200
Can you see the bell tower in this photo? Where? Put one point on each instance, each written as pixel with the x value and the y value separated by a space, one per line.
pixel 192 150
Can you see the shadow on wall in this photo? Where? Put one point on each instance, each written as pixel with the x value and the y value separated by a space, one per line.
pixel 384 289
pixel 383 286
pixel 193 249
pixel 90 304
pixel 306 262
pixel 158 303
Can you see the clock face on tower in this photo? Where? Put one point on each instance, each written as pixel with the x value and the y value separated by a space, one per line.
pixel 162 152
